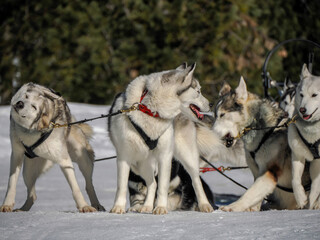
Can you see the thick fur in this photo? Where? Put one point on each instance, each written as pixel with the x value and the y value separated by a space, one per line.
pixel 169 93
pixel 33 108
pixel 271 164
pixel 307 106
pixel 190 139
pixel 288 98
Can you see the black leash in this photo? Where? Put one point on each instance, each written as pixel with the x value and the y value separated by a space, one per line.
pixel 240 185
pixel 107 158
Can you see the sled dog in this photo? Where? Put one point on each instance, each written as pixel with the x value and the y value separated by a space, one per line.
pixel 37 146
pixel 287 98
pixel 267 152
pixel 144 139
pixel 304 139
pixel 181 195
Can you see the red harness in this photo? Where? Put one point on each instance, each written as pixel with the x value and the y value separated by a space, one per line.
pixel 144 108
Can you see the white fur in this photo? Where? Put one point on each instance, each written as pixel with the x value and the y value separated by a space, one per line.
pixel 163 97
pixel 62 146
pixel 308 97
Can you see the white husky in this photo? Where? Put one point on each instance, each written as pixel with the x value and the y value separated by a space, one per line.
pixel 144 139
pixel 37 146
pixel 304 139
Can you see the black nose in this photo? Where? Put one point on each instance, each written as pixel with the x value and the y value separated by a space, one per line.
pixel 303 110
pixel 211 105
pixel 19 105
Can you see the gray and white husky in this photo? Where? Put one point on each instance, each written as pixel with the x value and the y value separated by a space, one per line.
pixel 192 140
pixel 267 152
pixel 304 139
pixel 287 98
pixel 144 139
pixel 37 146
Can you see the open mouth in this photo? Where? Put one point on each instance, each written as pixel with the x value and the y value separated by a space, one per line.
pixel 196 111
pixel 228 140
pixel 307 117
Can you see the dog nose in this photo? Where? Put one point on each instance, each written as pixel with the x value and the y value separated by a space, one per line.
pixel 20 105
pixel 211 105
pixel 303 110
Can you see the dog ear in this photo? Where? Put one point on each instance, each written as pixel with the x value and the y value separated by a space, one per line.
pixel 305 72
pixel 226 88
pixel 241 90
pixel 187 80
pixel 182 66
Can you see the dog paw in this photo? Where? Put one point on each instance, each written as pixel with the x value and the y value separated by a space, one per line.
pixel 6 208
pixel 160 211
pixel 87 209
pixel 99 208
pixel 231 208
pixel 302 200
pixel 145 209
pixel 118 210
pixel 207 208
pixel 135 208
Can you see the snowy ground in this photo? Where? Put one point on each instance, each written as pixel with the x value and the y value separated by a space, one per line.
pixel 54 214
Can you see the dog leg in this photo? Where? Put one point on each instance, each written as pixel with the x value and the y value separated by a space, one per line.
pixel 253 197
pixel 68 170
pixel 163 181
pixel 297 171
pixel 123 170
pixel 85 162
pixel 148 175
pixel 17 157
pixel 314 197
pixel 32 169
pixel 189 159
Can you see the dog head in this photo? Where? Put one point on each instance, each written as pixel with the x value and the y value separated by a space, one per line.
pixel 177 91
pixel 33 107
pixel 308 96
pixel 230 112
pixel 288 98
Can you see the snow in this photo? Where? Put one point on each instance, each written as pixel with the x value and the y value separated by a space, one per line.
pixel 54 215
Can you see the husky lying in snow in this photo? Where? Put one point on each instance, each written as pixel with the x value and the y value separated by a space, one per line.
pixel 144 139
pixel 37 146
pixel 304 139
pixel 267 152
pixel 194 139
pixel 287 98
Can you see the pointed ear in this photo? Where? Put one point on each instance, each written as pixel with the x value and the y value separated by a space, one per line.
pixel 241 90
pixel 226 88
pixel 189 77
pixel 182 66
pixel 305 72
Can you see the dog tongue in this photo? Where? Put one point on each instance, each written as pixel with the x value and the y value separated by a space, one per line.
pixel 306 117
pixel 195 109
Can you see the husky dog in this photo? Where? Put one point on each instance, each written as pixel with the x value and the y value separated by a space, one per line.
pixel 267 151
pixel 287 98
pixel 188 134
pixel 144 139
pixel 37 146
pixel 304 139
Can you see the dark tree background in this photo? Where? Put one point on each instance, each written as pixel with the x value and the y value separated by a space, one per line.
pixel 89 50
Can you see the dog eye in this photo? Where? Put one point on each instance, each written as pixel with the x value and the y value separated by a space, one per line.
pixel 314 95
pixel 221 115
pixel 34 107
pixel 285 102
pixel 301 95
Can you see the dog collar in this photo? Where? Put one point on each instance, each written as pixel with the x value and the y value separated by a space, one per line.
pixel 143 108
